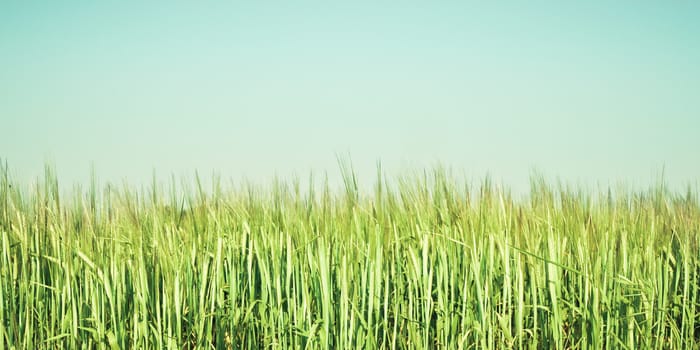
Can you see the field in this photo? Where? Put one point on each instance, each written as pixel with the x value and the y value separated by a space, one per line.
pixel 419 262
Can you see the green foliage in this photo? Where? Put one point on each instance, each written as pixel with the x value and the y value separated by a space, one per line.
pixel 427 263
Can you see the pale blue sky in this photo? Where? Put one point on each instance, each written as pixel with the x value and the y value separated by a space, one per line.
pixel 589 92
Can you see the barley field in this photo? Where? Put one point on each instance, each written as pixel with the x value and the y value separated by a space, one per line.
pixel 419 262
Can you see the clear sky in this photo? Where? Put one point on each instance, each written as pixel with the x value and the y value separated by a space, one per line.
pixel 584 91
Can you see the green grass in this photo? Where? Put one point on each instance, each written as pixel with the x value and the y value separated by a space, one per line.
pixel 422 262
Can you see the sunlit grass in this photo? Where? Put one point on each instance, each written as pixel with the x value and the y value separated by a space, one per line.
pixel 424 262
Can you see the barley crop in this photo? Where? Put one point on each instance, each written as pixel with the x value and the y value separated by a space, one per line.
pixel 420 262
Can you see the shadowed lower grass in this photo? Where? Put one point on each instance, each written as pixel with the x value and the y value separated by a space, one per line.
pixel 425 263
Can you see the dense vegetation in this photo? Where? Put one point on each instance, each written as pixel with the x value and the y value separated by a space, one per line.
pixel 421 262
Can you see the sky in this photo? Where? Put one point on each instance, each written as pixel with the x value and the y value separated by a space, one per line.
pixel 588 92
